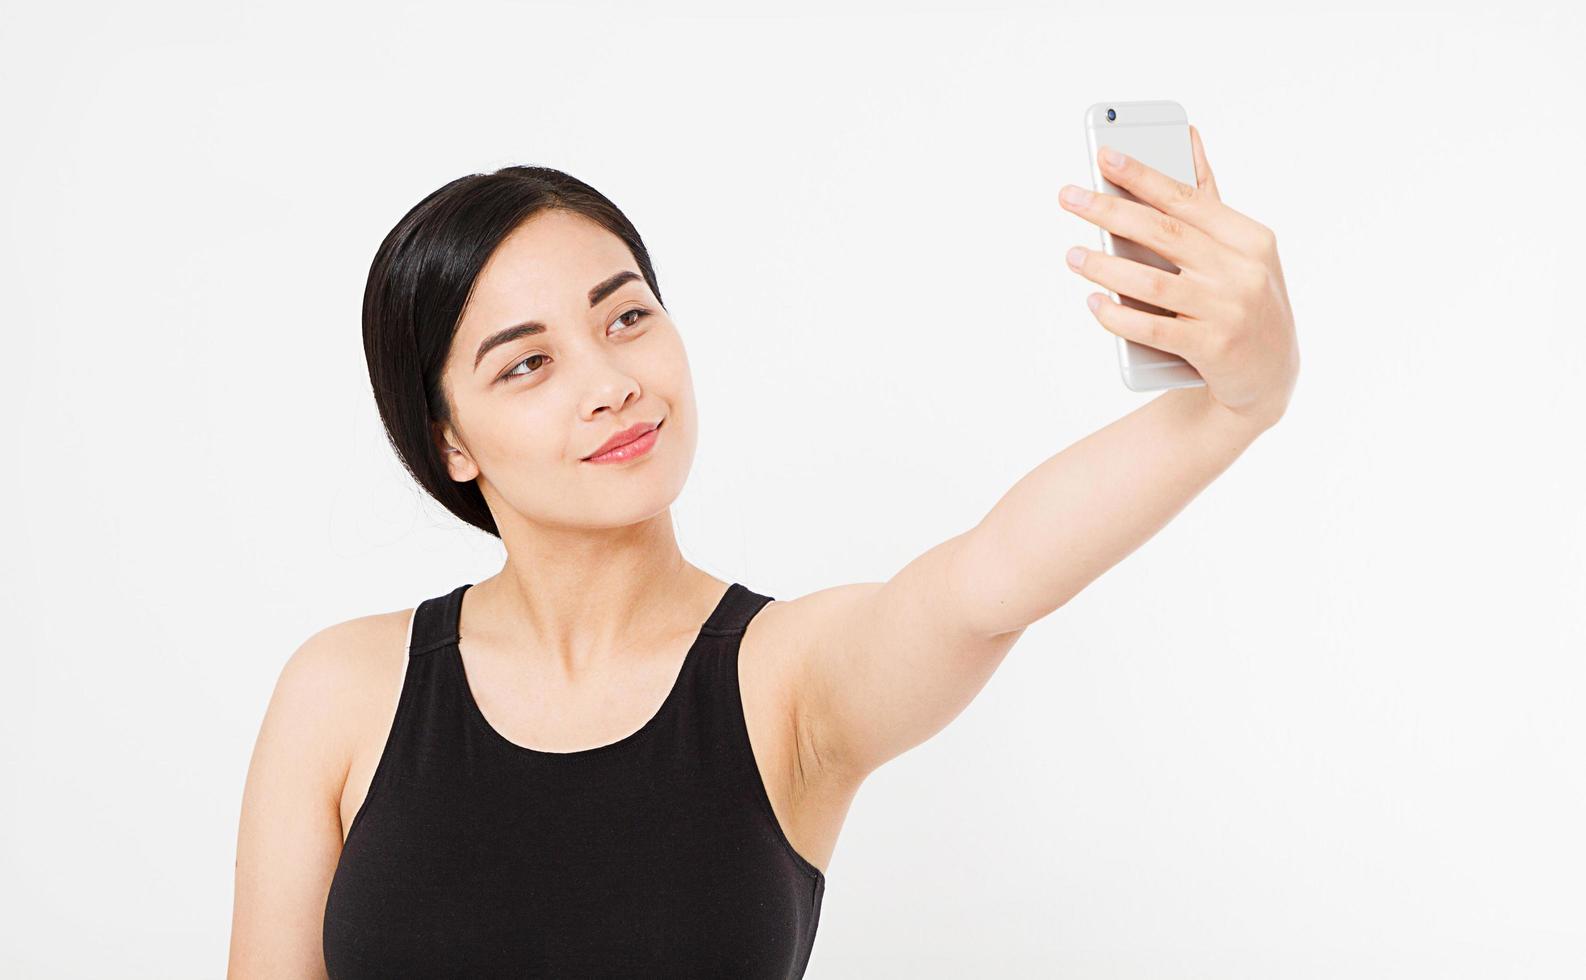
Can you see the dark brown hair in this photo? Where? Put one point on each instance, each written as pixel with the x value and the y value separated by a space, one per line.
pixel 419 282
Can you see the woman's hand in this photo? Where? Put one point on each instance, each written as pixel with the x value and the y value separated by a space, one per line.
pixel 1234 324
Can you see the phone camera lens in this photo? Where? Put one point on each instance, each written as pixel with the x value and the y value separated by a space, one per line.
pixel 1111 115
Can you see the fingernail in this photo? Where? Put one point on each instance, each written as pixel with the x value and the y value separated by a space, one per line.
pixel 1075 196
pixel 1111 157
pixel 1076 256
pixel 1093 301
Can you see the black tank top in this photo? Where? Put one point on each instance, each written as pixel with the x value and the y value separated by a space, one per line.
pixel 657 855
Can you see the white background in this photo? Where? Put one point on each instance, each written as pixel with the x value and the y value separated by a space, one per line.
pixel 1326 724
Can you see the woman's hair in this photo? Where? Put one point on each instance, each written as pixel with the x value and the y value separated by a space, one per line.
pixel 419 282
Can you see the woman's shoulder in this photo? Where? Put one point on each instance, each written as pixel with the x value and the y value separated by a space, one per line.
pixel 346 653
pixel 341 678
pixel 290 826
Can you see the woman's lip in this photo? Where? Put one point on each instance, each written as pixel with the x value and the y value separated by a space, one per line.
pixel 622 438
pixel 629 450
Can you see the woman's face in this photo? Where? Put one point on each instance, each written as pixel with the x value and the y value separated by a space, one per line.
pixel 541 399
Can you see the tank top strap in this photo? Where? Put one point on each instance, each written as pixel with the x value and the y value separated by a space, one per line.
pixel 738 605
pixel 715 712
pixel 435 622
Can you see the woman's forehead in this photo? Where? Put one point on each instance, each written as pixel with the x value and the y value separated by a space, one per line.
pixel 549 261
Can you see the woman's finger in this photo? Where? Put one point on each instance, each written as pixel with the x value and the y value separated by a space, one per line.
pixel 1203 170
pixel 1182 204
pixel 1167 194
pixel 1169 236
pixel 1248 236
pixel 1179 203
pixel 1180 292
pixel 1166 333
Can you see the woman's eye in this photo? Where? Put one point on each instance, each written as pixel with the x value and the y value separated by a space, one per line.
pixel 514 373
pixel 638 313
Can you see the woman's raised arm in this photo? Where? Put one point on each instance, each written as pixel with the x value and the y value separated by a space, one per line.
pixel 884 666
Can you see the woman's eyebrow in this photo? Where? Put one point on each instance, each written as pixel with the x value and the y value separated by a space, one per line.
pixel 507 335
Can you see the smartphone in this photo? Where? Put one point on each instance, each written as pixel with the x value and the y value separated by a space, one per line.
pixel 1156 134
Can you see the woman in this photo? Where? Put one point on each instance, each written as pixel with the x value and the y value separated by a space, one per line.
pixel 603 761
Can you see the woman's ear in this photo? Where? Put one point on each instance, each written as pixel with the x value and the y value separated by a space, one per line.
pixel 458 465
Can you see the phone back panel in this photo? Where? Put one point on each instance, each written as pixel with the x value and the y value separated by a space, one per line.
pixel 1157 134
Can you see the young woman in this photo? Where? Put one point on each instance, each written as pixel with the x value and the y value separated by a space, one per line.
pixel 603 761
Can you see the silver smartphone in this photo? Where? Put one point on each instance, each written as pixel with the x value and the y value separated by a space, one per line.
pixel 1156 134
